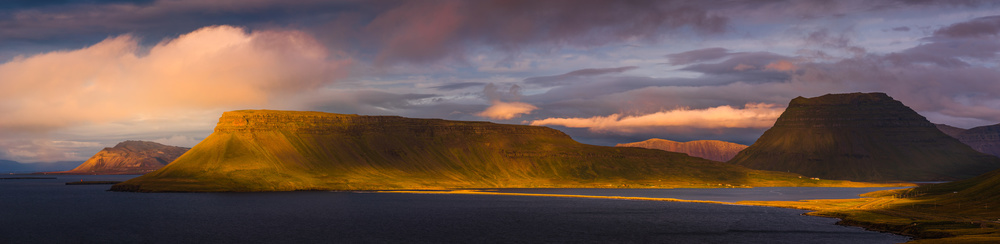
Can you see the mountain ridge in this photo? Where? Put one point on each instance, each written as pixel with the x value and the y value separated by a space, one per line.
pixel 128 157
pixel 270 150
pixel 985 139
pixel 708 149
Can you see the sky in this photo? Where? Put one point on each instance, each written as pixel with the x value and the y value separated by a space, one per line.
pixel 78 76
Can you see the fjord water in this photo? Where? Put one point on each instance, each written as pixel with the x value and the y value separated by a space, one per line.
pixel 715 194
pixel 47 211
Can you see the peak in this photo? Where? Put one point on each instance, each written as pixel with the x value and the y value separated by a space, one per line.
pixel 657 140
pixel 861 136
pixel 709 149
pixel 849 110
pixel 843 99
pixel 132 143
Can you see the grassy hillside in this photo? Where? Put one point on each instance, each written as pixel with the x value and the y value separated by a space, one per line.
pixel 262 150
pixel 966 211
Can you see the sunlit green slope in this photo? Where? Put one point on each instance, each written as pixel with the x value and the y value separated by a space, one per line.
pixel 265 150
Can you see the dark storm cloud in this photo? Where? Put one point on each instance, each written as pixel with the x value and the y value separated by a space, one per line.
pixel 390 31
pixel 458 86
pixel 950 75
pixel 976 28
pixel 374 102
pixel 367 101
pixel 696 56
pixel 747 67
pixel 750 67
pixel 568 78
pixel 427 31
pixel 951 45
pixel 22 4
pixel 74 24
pixel 939 78
pixel 901 28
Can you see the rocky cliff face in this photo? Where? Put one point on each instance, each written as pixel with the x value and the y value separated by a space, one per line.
pixel 985 139
pixel 129 157
pixel 861 136
pixel 708 149
pixel 266 150
pixel 950 130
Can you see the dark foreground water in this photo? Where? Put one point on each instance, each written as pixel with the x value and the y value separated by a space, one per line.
pixel 718 194
pixel 47 211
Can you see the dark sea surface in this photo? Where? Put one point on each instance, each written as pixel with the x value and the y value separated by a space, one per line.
pixel 47 211
pixel 717 194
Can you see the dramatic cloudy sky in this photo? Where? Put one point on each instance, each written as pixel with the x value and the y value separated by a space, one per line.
pixel 77 76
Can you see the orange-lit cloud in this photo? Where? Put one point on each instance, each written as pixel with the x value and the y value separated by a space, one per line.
pixel 117 80
pixel 751 116
pixel 742 67
pixel 507 110
pixel 781 65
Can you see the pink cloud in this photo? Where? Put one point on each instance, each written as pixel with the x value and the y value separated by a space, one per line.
pixel 742 67
pixel 751 116
pixel 218 67
pixel 781 65
pixel 506 110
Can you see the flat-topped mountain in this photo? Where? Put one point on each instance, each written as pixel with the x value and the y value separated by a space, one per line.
pixel 861 136
pixel 266 150
pixel 708 149
pixel 129 157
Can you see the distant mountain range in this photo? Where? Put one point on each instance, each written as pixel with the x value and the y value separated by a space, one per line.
pixel 8 166
pixel 128 157
pixel 266 150
pixel 708 149
pixel 949 130
pixel 985 139
pixel 864 137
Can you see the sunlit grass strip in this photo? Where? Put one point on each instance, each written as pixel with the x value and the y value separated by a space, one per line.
pixel 878 211
pixel 480 192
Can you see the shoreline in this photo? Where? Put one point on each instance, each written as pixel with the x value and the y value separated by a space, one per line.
pixel 820 208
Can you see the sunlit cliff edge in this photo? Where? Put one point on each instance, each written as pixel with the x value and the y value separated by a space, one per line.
pixel 985 139
pixel 708 149
pixel 128 157
pixel 267 150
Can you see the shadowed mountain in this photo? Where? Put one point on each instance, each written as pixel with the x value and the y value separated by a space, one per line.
pixel 266 150
pixel 950 130
pixel 985 139
pixel 128 157
pixel 861 136
pixel 708 149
